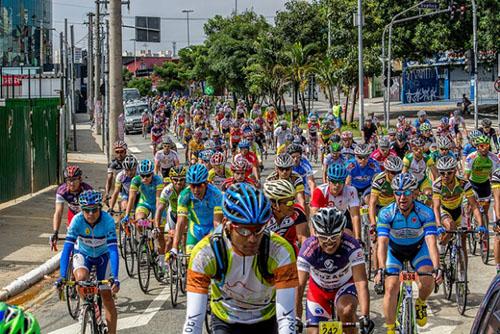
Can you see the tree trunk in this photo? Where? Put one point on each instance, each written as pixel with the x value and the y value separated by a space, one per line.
pixel 346 102
pixel 338 94
pixel 354 98
pixel 303 102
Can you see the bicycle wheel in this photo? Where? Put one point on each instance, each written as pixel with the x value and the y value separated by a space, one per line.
pixel 129 254
pixel 71 295
pixel 87 321
pixel 208 318
pixel 174 281
pixel 474 240
pixel 484 243
pixel 143 265
pixel 183 273
pixel 408 315
pixel 122 238
pixel 449 273
pixel 461 282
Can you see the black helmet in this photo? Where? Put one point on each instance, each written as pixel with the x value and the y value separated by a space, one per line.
pixel 329 221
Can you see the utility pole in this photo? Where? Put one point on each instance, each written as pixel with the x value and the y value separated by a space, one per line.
pixel 187 11
pixel 61 68
pixel 69 103
pixel 41 46
pixel 97 85
pixel 73 100
pixel 174 49
pixel 90 68
pixel 115 68
pixel 360 65
pixel 235 7
pixel 105 123
pixel 474 41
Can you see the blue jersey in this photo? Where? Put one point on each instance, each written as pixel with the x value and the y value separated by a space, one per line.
pixel 304 169
pixel 147 191
pixel 468 149
pixel 361 177
pixel 91 241
pixel 406 231
pixel 417 123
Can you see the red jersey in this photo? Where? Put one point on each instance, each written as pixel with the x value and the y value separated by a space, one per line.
pixel 236 135
pixel 230 181
pixel 287 229
pixel 377 155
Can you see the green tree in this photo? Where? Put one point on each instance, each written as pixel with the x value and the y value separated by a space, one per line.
pixel 170 77
pixel 142 84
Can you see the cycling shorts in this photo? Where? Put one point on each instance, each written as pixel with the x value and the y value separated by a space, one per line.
pixel 455 214
pixel 482 190
pixel 418 257
pixel 169 221
pixel 165 172
pixel 362 193
pixel 143 207
pixel 101 264
pixel 319 302
pixel 267 326
pixel 71 214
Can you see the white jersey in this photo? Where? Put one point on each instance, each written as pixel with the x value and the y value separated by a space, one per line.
pixel 168 160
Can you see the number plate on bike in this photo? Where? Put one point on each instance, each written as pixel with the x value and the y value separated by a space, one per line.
pixel 364 210
pixel 330 327
pixel 88 290
pixel 407 276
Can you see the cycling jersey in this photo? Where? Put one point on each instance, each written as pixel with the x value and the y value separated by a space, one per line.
pixel 166 160
pixel 216 179
pixel 156 134
pixel 244 296
pixel 326 132
pixel 348 152
pixel 495 179
pixel 147 192
pixel 230 181
pixel 313 128
pixel 382 188
pixel 286 228
pixel 195 147
pixel 379 157
pixel 480 167
pixel 468 149
pixel 328 160
pixel 199 212
pixel 417 123
pixel 280 135
pixel 400 151
pixel 361 177
pixel 417 167
pixel 115 166
pixel 294 179
pixel 236 135
pixel 436 155
pixel 63 195
pixel 122 182
pixel 304 169
pixel 169 197
pixel 451 199
pixel 322 198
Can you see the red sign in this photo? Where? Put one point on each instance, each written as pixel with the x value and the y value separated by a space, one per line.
pixel 13 80
pixel 497 85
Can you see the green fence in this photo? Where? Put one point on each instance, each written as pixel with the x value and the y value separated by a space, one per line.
pixel 29 146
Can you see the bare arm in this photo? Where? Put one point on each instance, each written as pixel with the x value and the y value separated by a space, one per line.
pixel 361 283
pixel 302 233
pixel 372 209
pixel 436 206
pixel 179 230
pixel 474 207
pixel 131 201
pixel 356 221
pixel 56 220
pixel 383 244
pixel 114 197
pixel 109 183
pixel 303 278
pixel 430 240
pixel 159 211
pixel 311 182
pixel 217 219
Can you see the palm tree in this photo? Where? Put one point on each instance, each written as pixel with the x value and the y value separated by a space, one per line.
pixel 326 75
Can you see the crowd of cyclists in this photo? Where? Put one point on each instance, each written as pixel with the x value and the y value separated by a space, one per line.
pixel 257 244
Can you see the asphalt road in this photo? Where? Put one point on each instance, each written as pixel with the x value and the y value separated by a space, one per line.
pixel 153 313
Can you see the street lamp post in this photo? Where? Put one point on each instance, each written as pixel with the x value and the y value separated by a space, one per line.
pixel 474 41
pixel 187 11
pixel 360 65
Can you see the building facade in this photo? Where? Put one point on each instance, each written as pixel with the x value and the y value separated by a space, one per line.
pixel 25 32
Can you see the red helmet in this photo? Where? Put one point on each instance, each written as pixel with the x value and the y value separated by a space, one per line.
pixel 239 165
pixel 217 159
pixel 72 171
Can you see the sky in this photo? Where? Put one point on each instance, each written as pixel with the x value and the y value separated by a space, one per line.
pixel 171 30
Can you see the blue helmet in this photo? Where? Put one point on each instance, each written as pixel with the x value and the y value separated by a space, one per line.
pixel 205 155
pixel 445 120
pixel 244 204
pixel 146 167
pixel 404 181
pixel 90 198
pixel 244 144
pixel 337 172
pixel 197 174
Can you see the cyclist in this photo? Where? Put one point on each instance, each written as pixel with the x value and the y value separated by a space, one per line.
pixel 249 156
pixel 495 186
pixel 427 136
pixel 361 171
pixel 146 121
pixel 455 122
pixel 391 135
pixel 122 183
pixel 13 319
pixel 333 264
pixel 382 195
pixel 283 171
pixel 195 146
pixel 280 134
pixel 334 157
pixel 369 131
pixel 288 219
pixel 166 158
pixel 115 166
pixel 67 192
pixel 303 167
pixel 288 141
pixel 417 164
pixel 219 173
pixel 313 127
pixel 405 127
pixel 253 285
pixel 157 133
pixel 421 119
pixel 168 200
pixel 220 143
pixel 148 187
pixel 240 169
pixel 448 192
pixel 401 146
pixel 198 208
pixel 444 145
pixel 348 145
pixel 236 135
pixel 487 130
pixel 479 166
pixel 406 232
pixel 382 152
pixel 337 194
pixel 94 235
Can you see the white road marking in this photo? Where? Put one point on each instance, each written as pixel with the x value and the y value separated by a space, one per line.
pixel 179 145
pixel 130 322
pixel 134 149
pixel 48 235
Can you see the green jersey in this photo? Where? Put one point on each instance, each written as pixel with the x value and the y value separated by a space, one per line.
pixel 481 167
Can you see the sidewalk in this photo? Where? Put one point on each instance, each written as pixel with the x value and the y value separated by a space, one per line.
pixel 27 226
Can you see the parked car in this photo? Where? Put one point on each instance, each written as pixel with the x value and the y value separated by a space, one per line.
pixel 487 319
pixel 133 114
pixel 130 94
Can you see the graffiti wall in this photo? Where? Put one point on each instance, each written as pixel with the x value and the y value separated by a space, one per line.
pixel 420 85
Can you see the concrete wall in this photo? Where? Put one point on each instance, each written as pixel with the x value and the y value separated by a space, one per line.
pixel 460 82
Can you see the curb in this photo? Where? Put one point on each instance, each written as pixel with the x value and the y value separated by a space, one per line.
pixel 27 280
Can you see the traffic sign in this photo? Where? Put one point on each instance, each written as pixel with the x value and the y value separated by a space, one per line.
pixel 497 85
pixel 429 5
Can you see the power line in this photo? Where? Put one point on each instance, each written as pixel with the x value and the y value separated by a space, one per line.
pixel 70 5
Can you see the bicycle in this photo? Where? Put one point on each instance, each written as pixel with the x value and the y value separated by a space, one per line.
pixel 366 239
pixel 337 327
pixel 91 320
pixel 127 234
pixel 178 275
pixel 455 269
pixel 478 239
pixel 147 256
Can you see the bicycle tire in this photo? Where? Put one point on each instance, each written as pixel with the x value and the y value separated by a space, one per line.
pixel 461 283
pixel 72 297
pixel 474 238
pixel 174 281
pixel 88 323
pixel 129 254
pixel 154 262
pixel 183 274
pixel 121 239
pixel 208 318
pixel 143 263
pixel 484 243
pixel 449 273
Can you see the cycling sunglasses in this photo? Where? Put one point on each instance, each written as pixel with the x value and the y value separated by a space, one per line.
pixel 146 176
pixel 246 231
pixel 284 169
pixel 91 209
pixel 447 172
pixel 120 151
pixel 336 181
pixel 177 179
pixel 403 192
pixel 72 179
pixel 287 203
pixel 362 157
pixel 328 238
